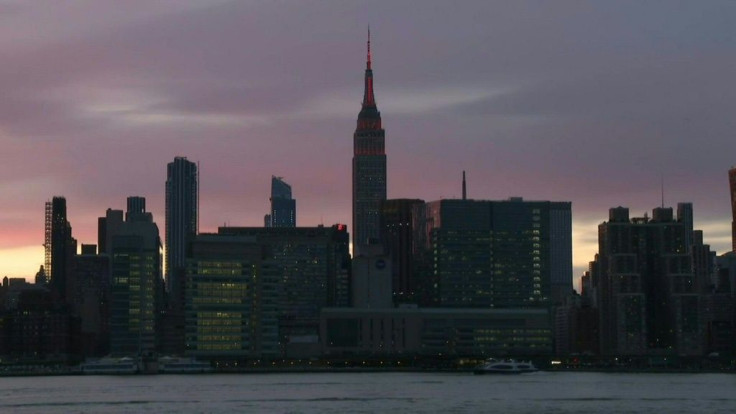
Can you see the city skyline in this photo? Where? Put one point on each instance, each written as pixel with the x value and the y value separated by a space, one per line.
pixel 591 104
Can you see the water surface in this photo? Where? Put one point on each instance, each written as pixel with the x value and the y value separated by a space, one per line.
pixel 548 392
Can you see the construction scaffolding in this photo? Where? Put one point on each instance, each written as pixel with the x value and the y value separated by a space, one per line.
pixel 47 240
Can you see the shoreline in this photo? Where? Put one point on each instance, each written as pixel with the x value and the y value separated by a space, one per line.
pixel 75 371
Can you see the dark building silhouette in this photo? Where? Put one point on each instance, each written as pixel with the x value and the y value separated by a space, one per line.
pixel 312 271
pixel 136 205
pixel 397 233
pixel 41 278
pixel 90 300
pixel 134 247
pixel 59 246
pixel 732 183
pixel 685 216
pixel 435 333
pixel 370 280
pixel 369 166
pixel 182 222
pixel 35 325
pixel 232 298
pixel 283 206
pixel 648 294
pixel 475 253
pixel 721 316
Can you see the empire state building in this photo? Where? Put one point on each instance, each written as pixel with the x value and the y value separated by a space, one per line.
pixel 369 166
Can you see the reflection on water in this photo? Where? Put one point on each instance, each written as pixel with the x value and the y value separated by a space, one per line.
pixel 549 392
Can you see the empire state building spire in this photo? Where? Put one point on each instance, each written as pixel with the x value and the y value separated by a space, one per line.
pixel 369 165
pixel 369 117
pixel 368 61
pixel 368 98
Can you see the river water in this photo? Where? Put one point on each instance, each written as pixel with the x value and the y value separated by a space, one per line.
pixel 390 393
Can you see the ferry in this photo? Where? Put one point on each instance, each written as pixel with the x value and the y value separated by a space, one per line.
pixel 171 365
pixel 111 366
pixel 505 366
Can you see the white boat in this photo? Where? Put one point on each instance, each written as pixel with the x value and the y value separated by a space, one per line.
pixel 111 366
pixel 505 366
pixel 169 365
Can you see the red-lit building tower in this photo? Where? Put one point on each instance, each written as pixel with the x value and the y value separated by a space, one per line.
pixel 369 166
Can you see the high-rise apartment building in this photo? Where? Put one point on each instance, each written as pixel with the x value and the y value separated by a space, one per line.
pixel 283 206
pixel 182 220
pixel 369 166
pixel 90 300
pixel 646 284
pixel 59 246
pixel 134 247
pixel 685 216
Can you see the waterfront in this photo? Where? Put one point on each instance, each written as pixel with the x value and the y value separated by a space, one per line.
pixel 561 392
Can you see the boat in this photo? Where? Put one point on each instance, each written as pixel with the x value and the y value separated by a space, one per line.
pixel 505 366
pixel 172 365
pixel 111 366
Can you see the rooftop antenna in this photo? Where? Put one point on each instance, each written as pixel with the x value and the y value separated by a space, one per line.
pixel 465 190
pixel 369 48
pixel 662 185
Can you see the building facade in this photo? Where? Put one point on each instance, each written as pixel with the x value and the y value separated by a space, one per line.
pixel 283 206
pixel 369 166
pixel 35 326
pixel 182 219
pixel 90 300
pixel 436 332
pixel 649 298
pixel 60 247
pixel 493 254
pixel 135 248
pixel 397 234
pixel 312 265
pixel 371 279
pixel 231 299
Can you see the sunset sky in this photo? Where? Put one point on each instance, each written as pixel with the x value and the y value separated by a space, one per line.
pixel 591 102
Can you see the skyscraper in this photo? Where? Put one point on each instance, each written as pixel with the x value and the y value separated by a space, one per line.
pixel 292 274
pixel 182 219
pixel 134 247
pixel 732 182
pixel 136 205
pixel 397 239
pixel 647 291
pixel 498 254
pixel 231 299
pixel 369 166
pixel 283 207
pixel 59 245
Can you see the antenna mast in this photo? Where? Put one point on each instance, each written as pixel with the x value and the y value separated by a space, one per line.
pixel 465 189
pixel 662 184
